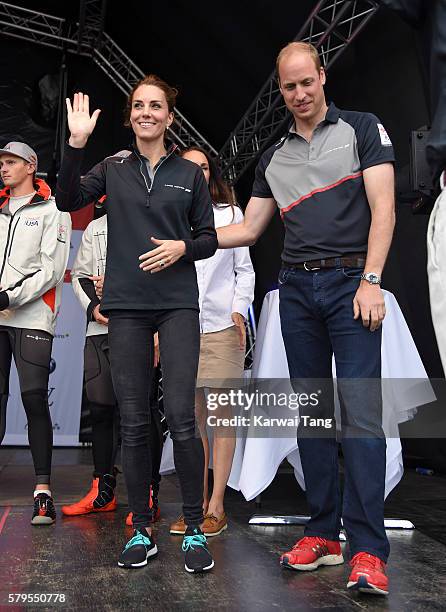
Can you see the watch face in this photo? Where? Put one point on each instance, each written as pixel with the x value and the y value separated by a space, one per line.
pixel 372 278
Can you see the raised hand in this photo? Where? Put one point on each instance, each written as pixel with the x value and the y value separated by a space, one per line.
pixel 80 124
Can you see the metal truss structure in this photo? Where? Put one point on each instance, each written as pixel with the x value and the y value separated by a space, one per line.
pixel 91 22
pixel 87 38
pixel 331 27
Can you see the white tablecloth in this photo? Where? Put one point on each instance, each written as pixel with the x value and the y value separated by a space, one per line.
pixel 258 459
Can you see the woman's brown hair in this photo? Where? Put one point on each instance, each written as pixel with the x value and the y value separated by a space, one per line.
pixel 151 79
pixel 221 194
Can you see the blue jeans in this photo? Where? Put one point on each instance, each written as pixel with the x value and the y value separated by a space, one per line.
pixel 316 311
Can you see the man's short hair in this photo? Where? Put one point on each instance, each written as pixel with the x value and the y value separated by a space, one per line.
pixel 301 47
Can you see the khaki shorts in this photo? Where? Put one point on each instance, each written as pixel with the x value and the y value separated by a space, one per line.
pixel 221 359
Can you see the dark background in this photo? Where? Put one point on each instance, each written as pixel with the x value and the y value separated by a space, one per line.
pixel 219 55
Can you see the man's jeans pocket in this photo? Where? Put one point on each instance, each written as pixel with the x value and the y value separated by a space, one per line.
pixel 284 275
pixel 354 273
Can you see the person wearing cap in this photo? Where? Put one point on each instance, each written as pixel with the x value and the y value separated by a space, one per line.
pixel 332 178
pixel 34 249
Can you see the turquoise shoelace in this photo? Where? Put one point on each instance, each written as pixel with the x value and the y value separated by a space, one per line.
pixel 193 540
pixel 139 538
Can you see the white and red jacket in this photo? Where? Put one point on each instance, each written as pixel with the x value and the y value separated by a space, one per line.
pixel 90 261
pixel 34 249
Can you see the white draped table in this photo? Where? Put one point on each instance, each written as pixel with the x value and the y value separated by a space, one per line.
pixel 255 467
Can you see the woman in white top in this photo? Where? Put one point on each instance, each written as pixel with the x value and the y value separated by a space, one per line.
pixel 226 290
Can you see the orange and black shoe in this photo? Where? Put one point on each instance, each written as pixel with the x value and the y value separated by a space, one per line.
pixel 100 498
pixel 44 511
pixel 153 505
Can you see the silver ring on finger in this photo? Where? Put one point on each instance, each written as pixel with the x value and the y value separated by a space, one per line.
pixel 161 263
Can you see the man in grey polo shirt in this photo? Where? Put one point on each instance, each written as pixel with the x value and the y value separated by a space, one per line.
pixel 332 178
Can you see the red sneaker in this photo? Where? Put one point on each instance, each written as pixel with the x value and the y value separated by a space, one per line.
pixel 310 552
pixel 368 574
pixel 92 502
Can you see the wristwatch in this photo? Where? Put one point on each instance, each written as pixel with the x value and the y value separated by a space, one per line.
pixel 371 278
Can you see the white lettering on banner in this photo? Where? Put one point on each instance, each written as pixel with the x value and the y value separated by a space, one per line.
pixel 385 139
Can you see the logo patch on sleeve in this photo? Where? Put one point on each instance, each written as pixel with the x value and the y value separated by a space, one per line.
pixel 62 233
pixel 385 140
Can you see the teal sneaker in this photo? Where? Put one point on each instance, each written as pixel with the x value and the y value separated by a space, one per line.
pixel 197 557
pixel 138 549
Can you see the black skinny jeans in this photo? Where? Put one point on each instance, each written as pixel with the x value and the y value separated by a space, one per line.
pixel 131 359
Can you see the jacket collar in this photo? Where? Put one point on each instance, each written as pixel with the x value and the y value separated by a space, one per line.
pixel 43 192
pixel 170 148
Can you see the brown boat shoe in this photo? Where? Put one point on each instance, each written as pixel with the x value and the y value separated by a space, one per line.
pixel 178 527
pixel 211 526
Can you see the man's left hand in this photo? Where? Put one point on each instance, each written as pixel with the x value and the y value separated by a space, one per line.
pixel 369 304
pixel 239 322
pixel 166 253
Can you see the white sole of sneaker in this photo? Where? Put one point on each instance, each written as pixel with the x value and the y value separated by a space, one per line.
pixel 215 533
pixel 152 552
pixel 205 569
pixel 370 589
pixel 42 520
pixel 173 532
pixel 308 567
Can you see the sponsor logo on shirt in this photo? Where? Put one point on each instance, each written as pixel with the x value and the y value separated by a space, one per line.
pixel 36 337
pixel 30 222
pixel 385 140
pixel 178 187
pixel 346 146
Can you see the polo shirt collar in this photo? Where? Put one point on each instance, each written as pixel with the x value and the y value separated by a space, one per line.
pixel 332 115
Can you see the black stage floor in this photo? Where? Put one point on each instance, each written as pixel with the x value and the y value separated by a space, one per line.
pixel 77 556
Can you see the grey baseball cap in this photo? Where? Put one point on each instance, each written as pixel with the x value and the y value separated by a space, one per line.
pixel 21 150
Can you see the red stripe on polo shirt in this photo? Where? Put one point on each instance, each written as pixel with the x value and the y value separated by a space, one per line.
pixel 320 190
